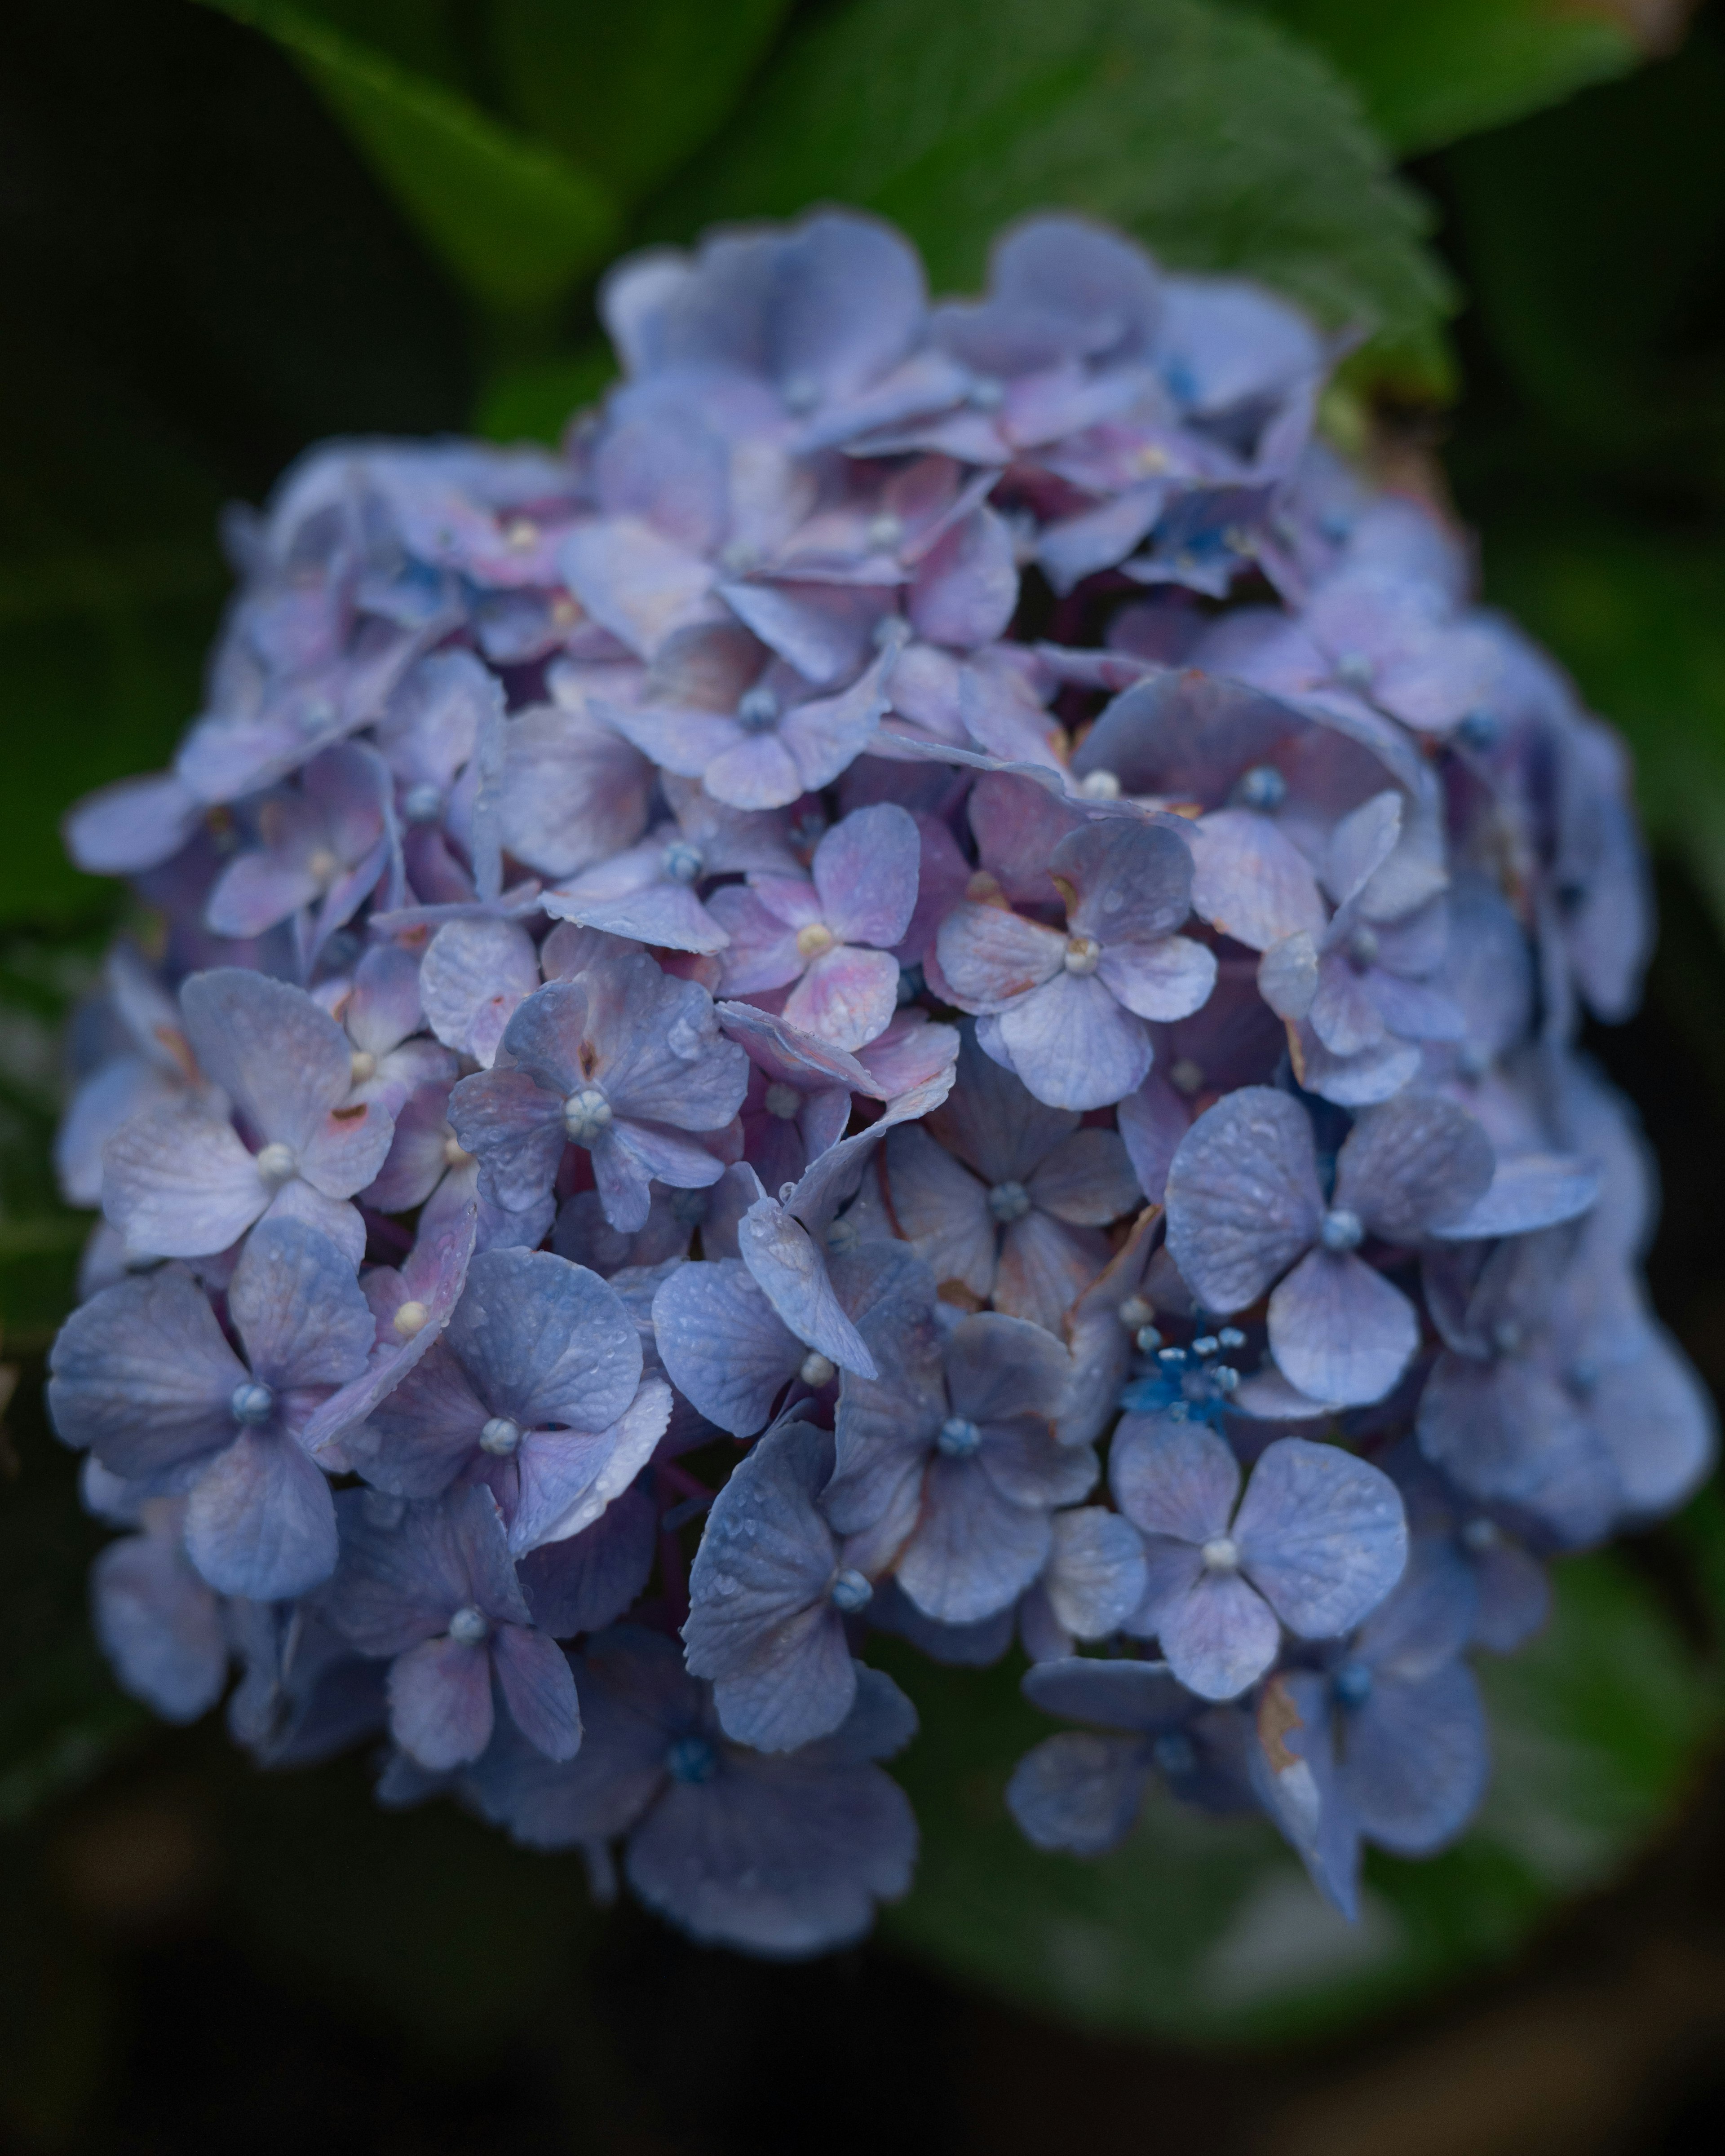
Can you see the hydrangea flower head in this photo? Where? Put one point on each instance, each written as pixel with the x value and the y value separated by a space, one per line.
pixel 924 983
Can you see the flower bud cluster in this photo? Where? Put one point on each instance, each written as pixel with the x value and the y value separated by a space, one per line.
pixel 937 967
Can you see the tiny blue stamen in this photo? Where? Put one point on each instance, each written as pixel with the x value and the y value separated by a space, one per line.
pixel 959 1439
pixel 691 1760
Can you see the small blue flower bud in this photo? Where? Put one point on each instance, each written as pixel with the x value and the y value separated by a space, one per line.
pixel 958 1439
pixel 691 1760
pixel 252 1404
pixel 469 1627
pixel 1008 1202
pixel 501 1437
pixel 850 1592
pixel 1352 1684
pixel 586 1114
pixel 1341 1230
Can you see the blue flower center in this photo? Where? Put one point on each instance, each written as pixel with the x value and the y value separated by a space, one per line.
pixel 1263 788
pixel 501 1437
pixel 1340 1230
pixel 1363 948
pixel 469 1627
pixel 586 1114
pixel 758 710
pixel 816 1369
pixel 850 1592
pixel 1352 1684
pixel 959 1439
pixel 782 1101
pixel 423 803
pixel 252 1404
pixel 1172 1752
pixel 681 862
pixel 1008 1202
pixel 691 1760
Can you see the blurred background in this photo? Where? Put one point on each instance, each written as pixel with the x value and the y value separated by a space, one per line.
pixel 228 230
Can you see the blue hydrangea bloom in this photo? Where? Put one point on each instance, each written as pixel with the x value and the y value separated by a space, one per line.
pixel 744 1085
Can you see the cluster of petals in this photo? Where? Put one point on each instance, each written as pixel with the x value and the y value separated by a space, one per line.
pixel 697 1089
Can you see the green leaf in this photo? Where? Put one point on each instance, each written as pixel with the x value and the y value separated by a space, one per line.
pixel 628 92
pixel 1430 74
pixel 534 401
pixel 515 222
pixel 1220 141
pixel 1208 1930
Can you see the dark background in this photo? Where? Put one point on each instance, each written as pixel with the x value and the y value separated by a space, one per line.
pixel 198 275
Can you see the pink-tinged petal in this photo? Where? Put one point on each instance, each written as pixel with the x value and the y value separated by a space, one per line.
pixel 913 1050
pixel 723 1345
pixel 1099 1343
pixel 792 900
pixel 1004 715
pixel 384 1008
pixel 1045 1266
pixel 572 790
pixel 302 1202
pixel 1152 1122
pixel 1341 1331
pixel 1124 881
pixel 1353 1082
pixel 1361 843
pixel 177 1183
pixel 1174 1478
pixel 1243 1196
pixel 865 871
pixel 684 739
pixel 827 736
pixel 1073 1045
pixel 1288 975
pixel 990 957
pixel 825 631
pixel 347 1148
pixel 942 873
pixel 791 1273
pixel 1413 1009
pixel 433 1278
pixel 538 1689
pixel 475 975
pixel 1017 824
pixel 762 953
pixel 103 1104
pixel 132 826
pixel 255 891
pixel 967 585
pixel 941 1210
pixel 667 914
pixel 261 1523
pixel 793 1058
pixel 1342 1014
pixel 1251 882
pixel 281 1059
pixel 517 1128
pixel 1087 1180
pixel 1220 1638
pixel 564 1491
pixel 757 771
pixel 1166 980
pixel 846 997
pixel 440 1703
pixel 634 582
